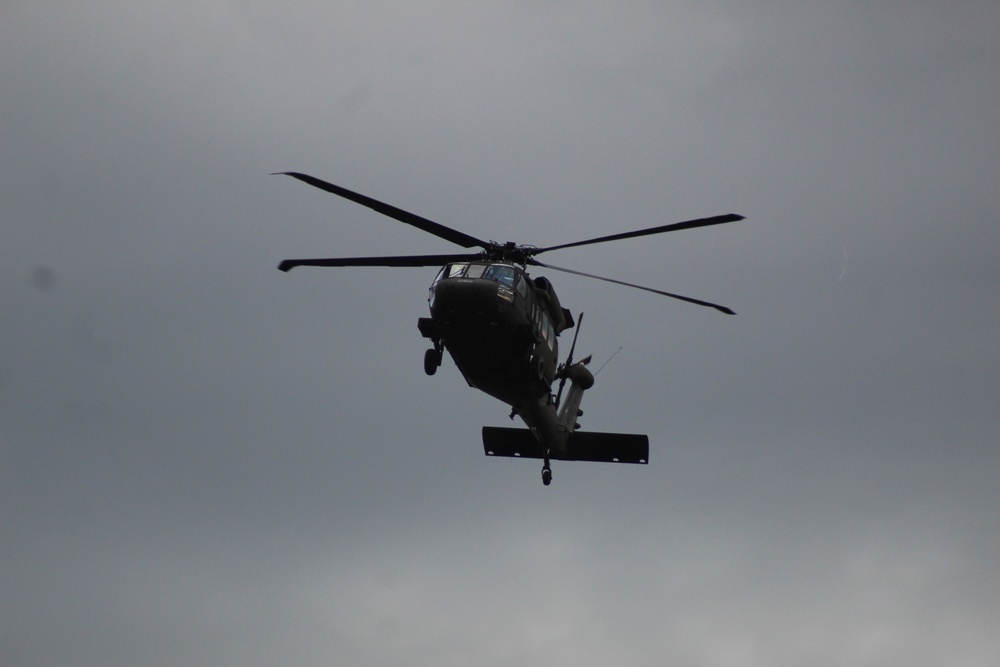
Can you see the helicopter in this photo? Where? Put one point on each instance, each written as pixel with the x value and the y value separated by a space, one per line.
pixel 501 328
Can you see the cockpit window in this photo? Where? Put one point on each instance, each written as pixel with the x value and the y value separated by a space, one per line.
pixel 521 289
pixel 501 274
pixel 475 270
pixel 495 272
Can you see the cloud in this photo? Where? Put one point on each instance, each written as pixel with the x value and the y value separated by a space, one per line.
pixel 205 460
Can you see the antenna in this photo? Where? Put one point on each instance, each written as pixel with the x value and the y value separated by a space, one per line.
pixel 609 360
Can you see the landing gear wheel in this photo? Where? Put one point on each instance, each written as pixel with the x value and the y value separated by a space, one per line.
pixel 546 470
pixel 432 359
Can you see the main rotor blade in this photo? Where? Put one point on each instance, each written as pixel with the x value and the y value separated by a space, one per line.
pixel 677 226
pixel 407 260
pixel 429 226
pixel 719 308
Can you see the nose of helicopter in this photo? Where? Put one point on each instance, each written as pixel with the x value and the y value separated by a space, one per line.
pixel 459 296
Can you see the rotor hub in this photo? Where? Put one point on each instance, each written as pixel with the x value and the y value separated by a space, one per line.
pixel 509 253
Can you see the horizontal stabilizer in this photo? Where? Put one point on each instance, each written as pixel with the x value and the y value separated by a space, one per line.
pixel 583 446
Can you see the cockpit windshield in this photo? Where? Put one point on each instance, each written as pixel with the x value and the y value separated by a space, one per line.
pixel 500 274
pixel 475 271
pixel 496 272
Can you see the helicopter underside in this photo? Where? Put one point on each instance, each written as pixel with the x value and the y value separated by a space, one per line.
pixel 491 341
pixel 490 363
pixel 493 357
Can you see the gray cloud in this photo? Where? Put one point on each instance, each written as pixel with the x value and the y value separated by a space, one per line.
pixel 204 460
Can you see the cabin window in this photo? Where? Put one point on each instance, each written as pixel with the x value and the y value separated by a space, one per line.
pixel 546 330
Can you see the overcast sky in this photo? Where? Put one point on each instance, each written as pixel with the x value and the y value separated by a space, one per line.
pixel 204 461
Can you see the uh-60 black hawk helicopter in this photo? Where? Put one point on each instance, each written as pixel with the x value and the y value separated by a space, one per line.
pixel 501 328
